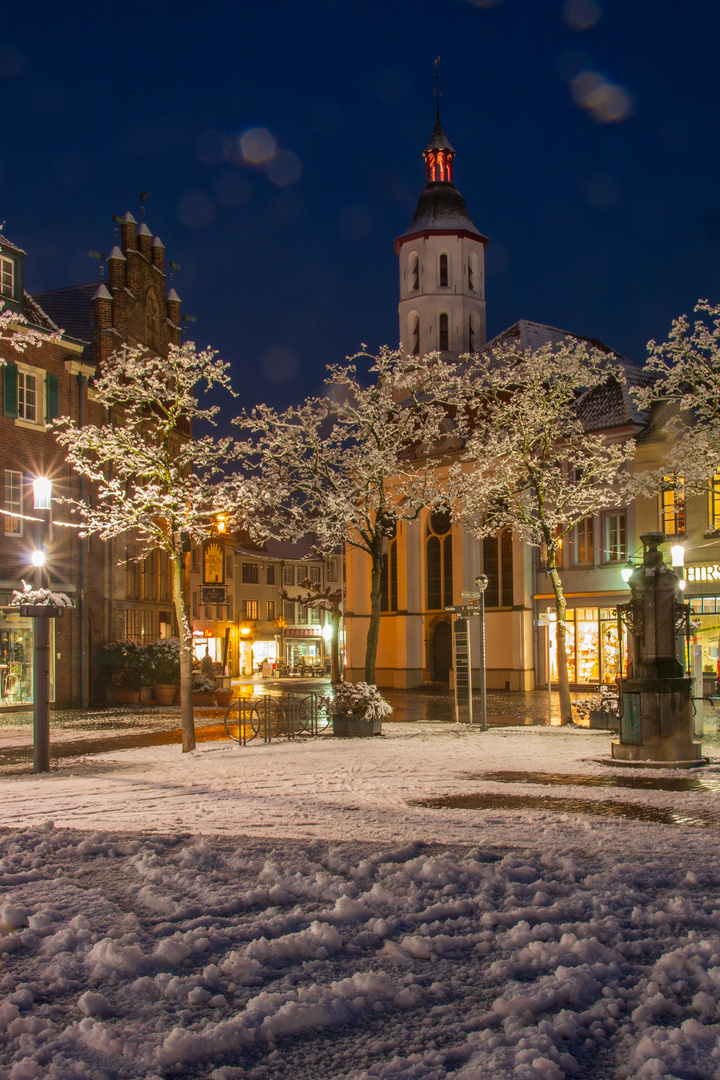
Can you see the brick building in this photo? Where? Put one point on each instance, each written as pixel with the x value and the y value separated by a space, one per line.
pixel 115 596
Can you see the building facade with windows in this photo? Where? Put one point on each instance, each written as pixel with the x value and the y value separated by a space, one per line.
pixel 117 596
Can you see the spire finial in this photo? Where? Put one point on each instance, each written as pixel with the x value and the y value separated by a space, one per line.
pixel 437 92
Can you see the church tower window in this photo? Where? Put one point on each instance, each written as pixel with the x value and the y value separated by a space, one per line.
pixel 414 272
pixel 414 334
pixel 444 276
pixel 443 333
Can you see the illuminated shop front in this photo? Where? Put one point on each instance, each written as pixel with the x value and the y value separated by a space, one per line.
pixel 304 646
pixel 591 642
pixel 705 615
pixel 16 658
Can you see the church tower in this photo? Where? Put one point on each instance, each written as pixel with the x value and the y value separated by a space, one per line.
pixel 442 264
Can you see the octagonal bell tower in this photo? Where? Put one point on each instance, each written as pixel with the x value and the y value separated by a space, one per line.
pixel 442 264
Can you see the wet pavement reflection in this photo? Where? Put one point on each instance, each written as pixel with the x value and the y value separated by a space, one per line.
pixel 703 819
pixel 641 783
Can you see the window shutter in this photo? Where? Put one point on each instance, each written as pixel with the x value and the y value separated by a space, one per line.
pixel 10 380
pixel 52 397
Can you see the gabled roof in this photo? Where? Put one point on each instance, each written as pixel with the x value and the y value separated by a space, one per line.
pixel 607 406
pixel 71 308
pixel 9 246
pixel 37 316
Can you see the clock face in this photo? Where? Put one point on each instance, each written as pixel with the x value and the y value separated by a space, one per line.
pixel 213 564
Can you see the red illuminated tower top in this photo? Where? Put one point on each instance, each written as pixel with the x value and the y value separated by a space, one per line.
pixel 438 156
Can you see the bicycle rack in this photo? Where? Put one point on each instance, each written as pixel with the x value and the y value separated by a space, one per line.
pixel 266 718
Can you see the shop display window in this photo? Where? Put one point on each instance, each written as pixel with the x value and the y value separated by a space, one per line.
pixel 592 646
pixel 16 658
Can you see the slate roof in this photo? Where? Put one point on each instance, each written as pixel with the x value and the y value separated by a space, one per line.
pixel 607 406
pixel 71 309
pixel 9 246
pixel 281 549
pixel 438 139
pixel 440 208
pixel 36 315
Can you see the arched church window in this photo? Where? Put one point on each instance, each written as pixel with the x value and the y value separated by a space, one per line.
pixel 471 274
pixel 443 333
pixel 498 566
pixel 152 321
pixel 444 277
pixel 388 574
pixel 438 560
pixel 414 272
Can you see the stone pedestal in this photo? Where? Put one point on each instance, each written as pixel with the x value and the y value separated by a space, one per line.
pixel 656 707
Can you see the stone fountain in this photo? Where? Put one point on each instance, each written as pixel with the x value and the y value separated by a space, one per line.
pixel 656 705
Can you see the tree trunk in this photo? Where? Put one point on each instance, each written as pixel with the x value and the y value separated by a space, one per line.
pixel 335 676
pixel 186 705
pixel 563 682
pixel 374 627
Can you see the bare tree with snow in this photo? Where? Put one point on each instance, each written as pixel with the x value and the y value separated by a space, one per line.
pixel 150 477
pixel 533 460
pixel 349 466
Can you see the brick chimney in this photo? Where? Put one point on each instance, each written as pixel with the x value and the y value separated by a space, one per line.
pixel 144 241
pixel 158 254
pixel 102 317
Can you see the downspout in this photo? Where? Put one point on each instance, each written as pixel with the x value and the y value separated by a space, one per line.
pixel 82 658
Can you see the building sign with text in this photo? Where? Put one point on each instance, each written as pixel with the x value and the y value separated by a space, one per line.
pixel 213 563
pixel 703 572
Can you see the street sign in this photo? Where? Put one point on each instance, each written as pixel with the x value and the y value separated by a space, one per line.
pixel 462 611
pixel 470 595
pixel 542 620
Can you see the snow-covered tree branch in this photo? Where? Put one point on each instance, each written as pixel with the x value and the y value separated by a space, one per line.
pixel 150 478
pixel 534 459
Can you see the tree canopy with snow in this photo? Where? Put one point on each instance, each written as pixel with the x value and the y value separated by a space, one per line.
pixel 347 466
pixel 150 477
pixel 685 391
pixel 532 459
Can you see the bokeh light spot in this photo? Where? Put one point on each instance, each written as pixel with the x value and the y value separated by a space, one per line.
pixel 195 210
pixel 257 145
pixel 280 364
pixel 606 102
pixel 284 168
pixel 582 14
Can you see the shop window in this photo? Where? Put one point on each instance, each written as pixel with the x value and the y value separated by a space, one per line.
pixel 414 272
pixel 672 506
pixel 16 658
pixel 444 276
pixel 270 614
pixel 7 277
pixel 615 538
pixel 288 575
pixel 250 609
pixel 443 333
pixel 714 502
pixel 13 502
pixel 582 541
pixel 592 646
pixel 250 573
pixel 270 575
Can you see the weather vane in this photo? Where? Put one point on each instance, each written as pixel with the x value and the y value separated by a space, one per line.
pixel 437 92
pixel 145 195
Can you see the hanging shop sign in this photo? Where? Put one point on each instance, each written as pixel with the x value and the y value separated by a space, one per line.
pixel 213 563
pixel 213 594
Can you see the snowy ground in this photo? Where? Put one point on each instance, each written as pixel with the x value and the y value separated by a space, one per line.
pixel 286 912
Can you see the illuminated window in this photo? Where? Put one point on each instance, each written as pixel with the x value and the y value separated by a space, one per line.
pixel 414 272
pixel 444 277
pixel 672 506
pixel 582 543
pixel 13 502
pixel 443 333
pixel 714 502
pixel 615 538
pixel 7 276
pixel 270 613
pixel 250 609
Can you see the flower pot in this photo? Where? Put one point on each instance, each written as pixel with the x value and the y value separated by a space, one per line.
pixel 124 696
pixel 356 726
pixel 165 693
pixel 604 721
pixel 203 697
pixel 146 695
pixel 223 698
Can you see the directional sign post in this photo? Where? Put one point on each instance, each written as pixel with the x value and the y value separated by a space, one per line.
pixel 461 657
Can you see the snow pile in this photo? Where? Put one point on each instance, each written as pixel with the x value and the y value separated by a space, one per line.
pixel 159 955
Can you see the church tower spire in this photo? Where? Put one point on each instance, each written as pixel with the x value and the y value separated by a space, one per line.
pixel 442 262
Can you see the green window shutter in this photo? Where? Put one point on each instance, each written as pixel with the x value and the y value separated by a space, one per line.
pixel 52 398
pixel 10 403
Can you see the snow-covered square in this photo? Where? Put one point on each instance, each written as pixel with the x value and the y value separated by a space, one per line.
pixel 288 912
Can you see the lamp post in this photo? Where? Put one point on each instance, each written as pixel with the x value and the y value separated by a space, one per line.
pixel 42 493
pixel 481 582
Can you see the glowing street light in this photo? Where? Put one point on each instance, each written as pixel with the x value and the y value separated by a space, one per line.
pixel 626 573
pixel 677 555
pixel 38 558
pixel 42 493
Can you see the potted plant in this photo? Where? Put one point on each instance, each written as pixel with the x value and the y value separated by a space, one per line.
pixel 223 696
pixel 121 662
pixel 203 690
pixel 358 710
pixel 601 709
pixel 165 659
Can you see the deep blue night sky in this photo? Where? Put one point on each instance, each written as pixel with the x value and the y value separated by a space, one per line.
pixel 602 205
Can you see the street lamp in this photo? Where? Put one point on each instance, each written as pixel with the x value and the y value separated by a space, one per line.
pixel 481 583
pixel 42 496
